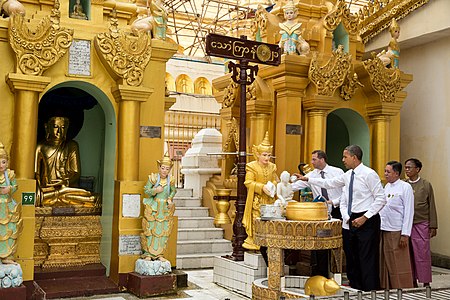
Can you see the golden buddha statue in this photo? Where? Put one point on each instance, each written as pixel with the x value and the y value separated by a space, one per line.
pixel 58 169
pixel 258 173
pixel 78 12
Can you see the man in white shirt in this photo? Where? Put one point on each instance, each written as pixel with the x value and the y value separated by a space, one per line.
pixel 361 201
pixel 321 170
pixel 396 223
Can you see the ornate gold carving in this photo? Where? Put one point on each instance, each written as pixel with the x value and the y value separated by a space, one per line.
pixel 341 14
pixel 386 82
pixel 39 49
pixel 251 91
pixel 125 55
pixel 350 85
pixel 259 24
pixel 306 235
pixel 230 94
pixel 233 135
pixel 374 17
pixel 62 241
pixel 330 76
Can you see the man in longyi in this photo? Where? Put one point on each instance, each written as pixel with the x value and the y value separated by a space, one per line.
pixel 396 222
pixel 58 168
pixel 258 173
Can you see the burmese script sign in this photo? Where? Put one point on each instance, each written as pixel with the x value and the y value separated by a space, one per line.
pixel 234 48
pixel 80 58
pixel 129 245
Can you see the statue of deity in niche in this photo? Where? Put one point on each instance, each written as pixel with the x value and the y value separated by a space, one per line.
pixel 258 174
pixel 58 169
pixel 291 41
pixel 391 57
pixel 78 12
pixel 10 211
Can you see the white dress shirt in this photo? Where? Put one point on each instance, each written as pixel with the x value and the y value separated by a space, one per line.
pixel 368 194
pixel 398 213
pixel 329 172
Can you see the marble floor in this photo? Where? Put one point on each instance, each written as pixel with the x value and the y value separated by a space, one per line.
pixel 201 287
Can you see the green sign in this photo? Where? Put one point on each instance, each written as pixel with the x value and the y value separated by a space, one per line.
pixel 28 198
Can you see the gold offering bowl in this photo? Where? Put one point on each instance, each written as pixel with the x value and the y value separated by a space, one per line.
pixel 307 211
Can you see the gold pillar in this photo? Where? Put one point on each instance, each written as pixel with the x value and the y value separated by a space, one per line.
pixel 26 91
pixel 317 108
pixel 129 99
pixel 317 131
pixel 259 112
pixel 380 142
pixel 289 81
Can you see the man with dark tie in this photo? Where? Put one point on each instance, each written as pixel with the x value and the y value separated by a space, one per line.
pixel 360 203
pixel 321 170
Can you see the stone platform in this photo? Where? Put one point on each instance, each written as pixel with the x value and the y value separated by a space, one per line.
pixel 16 293
pixel 80 281
pixel 155 285
pixel 238 276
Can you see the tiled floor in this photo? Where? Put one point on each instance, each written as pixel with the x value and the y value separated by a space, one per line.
pixel 201 287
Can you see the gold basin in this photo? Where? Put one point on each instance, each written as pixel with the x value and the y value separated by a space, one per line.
pixel 307 211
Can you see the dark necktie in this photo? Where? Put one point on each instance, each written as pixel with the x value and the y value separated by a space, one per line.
pixel 323 190
pixel 350 194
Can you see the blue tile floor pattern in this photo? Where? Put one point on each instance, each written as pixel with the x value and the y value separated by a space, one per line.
pixel 201 287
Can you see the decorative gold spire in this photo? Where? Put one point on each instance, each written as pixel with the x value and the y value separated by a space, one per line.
pixel 265 146
pixel 166 161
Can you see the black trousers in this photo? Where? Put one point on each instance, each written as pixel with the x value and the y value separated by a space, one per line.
pixel 362 247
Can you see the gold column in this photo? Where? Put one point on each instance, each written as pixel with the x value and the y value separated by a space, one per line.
pixel 26 89
pixel 129 99
pixel 317 108
pixel 380 142
pixel 288 81
pixel 317 131
pixel 259 112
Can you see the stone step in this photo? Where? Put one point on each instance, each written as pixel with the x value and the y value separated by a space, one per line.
pixel 199 233
pixel 198 261
pixel 187 202
pixel 195 222
pixel 192 212
pixel 203 246
pixel 183 193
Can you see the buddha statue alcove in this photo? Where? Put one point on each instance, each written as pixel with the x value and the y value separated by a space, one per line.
pixel 68 229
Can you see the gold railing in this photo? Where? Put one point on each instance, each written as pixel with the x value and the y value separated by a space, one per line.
pixel 180 129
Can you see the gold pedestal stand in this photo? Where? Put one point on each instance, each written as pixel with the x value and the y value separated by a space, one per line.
pixel 277 235
pixel 67 240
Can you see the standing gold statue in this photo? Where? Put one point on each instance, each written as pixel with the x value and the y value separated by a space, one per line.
pixel 58 168
pixel 158 211
pixel 258 174
pixel 10 211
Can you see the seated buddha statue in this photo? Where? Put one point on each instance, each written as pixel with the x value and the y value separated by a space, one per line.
pixel 58 168
pixel 78 12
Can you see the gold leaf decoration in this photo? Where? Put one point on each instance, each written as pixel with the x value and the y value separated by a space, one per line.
pixel 350 85
pixel 386 82
pixel 230 94
pixel 259 23
pixel 39 49
pixel 125 55
pixel 341 14
pixel 377 16
pixel 233 135
pixel 332 75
